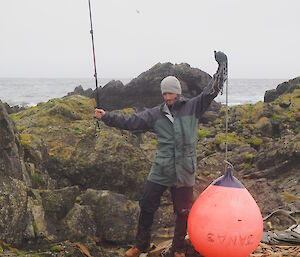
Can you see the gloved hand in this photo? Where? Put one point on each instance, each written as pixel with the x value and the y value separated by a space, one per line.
pixel 221 58
pixel 221 75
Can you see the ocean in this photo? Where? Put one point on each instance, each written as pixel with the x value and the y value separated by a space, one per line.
pixel 31 91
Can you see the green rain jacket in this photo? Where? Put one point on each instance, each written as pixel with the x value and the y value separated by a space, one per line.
pixel 175 161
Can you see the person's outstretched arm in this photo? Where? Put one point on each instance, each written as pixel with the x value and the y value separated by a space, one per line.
pixel 136 121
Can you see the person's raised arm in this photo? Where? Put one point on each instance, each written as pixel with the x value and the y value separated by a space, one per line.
pixel 203 100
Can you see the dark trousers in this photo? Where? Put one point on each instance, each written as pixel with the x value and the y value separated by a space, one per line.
pixel 182 198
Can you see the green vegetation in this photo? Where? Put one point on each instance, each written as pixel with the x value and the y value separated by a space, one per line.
pixel 26 139
pixel 249 156
pixel 35 229
pixel 232 138
pixel 35 179
pixel 276 117
pixel 247 166
pixel 153 142
pixel 255 141
pixel 202 133
pixel 57 248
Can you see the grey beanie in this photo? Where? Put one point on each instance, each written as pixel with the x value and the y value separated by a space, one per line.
pixel 170 84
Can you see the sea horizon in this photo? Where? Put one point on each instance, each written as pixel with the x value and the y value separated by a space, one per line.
pixel 36 90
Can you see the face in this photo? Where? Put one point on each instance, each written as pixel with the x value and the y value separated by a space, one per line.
pixel 169 98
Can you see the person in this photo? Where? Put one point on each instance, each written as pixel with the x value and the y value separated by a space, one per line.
pixel 175 122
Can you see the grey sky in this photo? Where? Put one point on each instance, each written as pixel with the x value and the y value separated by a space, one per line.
pixel 50 38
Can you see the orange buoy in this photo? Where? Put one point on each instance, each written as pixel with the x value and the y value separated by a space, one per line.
pixel 225 220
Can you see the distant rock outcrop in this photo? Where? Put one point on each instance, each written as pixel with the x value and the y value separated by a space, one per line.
pixel 285 87
pixel 13 109
pixel 80 91
pixel 144 91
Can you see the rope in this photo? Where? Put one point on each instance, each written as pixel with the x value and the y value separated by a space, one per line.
pixel 226 125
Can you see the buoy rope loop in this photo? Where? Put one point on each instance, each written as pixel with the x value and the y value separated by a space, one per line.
pixel 230 164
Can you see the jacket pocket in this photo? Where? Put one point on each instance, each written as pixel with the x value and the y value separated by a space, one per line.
pixel 189 150
pixel 189 164
pixel 164 166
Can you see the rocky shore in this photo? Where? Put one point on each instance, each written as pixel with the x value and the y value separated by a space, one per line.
pixel 66 192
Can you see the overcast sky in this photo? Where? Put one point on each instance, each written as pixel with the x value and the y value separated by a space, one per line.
pixel 50 38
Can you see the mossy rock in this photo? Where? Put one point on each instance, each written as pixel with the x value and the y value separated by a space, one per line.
pixel 73 154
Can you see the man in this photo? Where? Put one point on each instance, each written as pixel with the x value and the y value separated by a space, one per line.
pixel 175 123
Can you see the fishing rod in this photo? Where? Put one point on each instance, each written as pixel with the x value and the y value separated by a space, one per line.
pixel 97 124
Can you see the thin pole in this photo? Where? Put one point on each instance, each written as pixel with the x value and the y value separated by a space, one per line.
pixel 94 57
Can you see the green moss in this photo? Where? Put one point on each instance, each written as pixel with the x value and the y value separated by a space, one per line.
pixel 202 133
pixel 297 130
pixel 15 116
pixel 249 156
pixel 121 251
pixel 206 173
pixel 57 248
pixel 257 141
pixel 77 130
pixel 78 199
pixel 250 108
pixel 153 142
pixel 26 139
pixel 247 166
pixel 35 229
pixel 35 179
pixel 232 138
pixel 276 117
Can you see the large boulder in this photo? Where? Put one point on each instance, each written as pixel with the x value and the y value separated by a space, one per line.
pixel 71 152
pixel 116 216
pixel 10 164
pixel 283 88
pixel 13 191
pixel 57 203
pixel 13 210
pixel 80 223
pixel 47 211
pixel 144 91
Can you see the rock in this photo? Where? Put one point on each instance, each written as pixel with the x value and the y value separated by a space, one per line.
pixel 285 87
pixel 13 109
pixel 270 95
pixel 208 116
pixel 57 203
pixel 10 165
pixel 13 210
pixel 264 124
pixel 144 91
pixel 279 153
pixel 71 154
pixel 80 223
pixel 116 216
pixel 57 139
pixel 13 191
pixel 36 225
pixel 80 91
